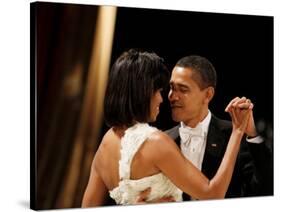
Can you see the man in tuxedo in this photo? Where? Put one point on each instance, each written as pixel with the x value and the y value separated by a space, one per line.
pixel 202 137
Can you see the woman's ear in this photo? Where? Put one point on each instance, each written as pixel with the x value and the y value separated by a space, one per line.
pixel 210 92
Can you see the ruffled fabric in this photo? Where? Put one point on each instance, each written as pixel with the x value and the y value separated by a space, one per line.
pixel 128 190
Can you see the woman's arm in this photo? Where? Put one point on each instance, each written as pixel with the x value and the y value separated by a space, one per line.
pixel 96 192
pixel 185 175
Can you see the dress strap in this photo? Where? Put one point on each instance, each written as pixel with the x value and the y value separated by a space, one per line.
pixel 132 140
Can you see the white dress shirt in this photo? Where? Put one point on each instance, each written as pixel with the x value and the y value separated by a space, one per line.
pixel 193 140
pixel 193 146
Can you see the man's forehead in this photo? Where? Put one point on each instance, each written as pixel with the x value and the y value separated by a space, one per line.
pixel 179 82
pixel 183 77
pixel 180 69
pixel 181 74
pixel 184 72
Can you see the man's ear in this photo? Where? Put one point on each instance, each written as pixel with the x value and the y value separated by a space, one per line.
pixel 210 92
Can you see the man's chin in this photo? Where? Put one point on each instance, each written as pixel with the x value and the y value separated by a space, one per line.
pixel 176 117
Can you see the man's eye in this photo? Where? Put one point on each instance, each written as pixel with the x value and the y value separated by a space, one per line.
pixel 184 90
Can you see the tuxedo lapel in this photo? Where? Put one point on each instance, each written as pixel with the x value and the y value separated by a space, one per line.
pixel 215 148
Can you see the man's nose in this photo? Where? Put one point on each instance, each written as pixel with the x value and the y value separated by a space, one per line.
pixel 173 95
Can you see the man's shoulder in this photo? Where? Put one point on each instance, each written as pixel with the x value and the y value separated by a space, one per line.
pixel 173 132
pixel 220 124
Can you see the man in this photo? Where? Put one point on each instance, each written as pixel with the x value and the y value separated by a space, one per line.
pixel 203 137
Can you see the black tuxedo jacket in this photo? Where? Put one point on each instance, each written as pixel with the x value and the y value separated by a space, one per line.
pixel 252 174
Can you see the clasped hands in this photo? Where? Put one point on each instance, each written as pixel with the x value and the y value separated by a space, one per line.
pixel 241 112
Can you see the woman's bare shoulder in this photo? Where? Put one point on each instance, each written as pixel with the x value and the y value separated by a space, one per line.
pixel 109 138
pixel 160 136
pixel 160 141
pixel 106 144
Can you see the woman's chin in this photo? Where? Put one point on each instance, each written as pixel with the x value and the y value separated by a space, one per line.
pixel 153 119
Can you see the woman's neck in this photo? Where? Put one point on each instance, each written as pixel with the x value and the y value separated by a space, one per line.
pixel 119 130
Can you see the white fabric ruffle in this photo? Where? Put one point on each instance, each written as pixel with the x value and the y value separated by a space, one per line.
pixel 128 190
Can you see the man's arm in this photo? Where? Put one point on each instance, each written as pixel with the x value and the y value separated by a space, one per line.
pixel 256 167
pixel 256 162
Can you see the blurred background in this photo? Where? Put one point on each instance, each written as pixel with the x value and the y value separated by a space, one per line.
pixel 72 49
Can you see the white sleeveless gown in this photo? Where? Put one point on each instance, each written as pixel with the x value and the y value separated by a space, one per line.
pixel 128 190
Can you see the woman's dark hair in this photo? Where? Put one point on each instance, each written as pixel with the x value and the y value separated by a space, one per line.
pixel 133 79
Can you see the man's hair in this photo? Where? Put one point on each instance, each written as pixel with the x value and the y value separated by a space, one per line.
pixel 203 71
pixel 133 79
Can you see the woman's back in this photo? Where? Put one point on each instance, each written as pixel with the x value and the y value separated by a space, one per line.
pixel 127 161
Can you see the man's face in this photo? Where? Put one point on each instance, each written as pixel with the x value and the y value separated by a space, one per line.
pixel 187 101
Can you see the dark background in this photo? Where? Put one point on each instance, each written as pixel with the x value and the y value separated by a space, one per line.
pixel 239 46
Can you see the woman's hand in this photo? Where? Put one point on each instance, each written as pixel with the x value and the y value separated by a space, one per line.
pixel 240 110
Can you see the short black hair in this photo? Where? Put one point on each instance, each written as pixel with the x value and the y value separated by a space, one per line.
pixel 133 79
pixel 205 73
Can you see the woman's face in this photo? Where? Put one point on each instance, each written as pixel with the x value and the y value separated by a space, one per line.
pixel 155 102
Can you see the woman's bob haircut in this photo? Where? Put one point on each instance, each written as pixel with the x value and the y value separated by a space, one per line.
pixel 133 79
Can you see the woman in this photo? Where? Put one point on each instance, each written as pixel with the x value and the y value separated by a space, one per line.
pixel 134 156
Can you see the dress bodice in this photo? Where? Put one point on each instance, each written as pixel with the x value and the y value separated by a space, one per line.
pixel 128 190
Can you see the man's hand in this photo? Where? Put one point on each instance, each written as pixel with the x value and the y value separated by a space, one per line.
pixel 244 103
pixel 251 127
pixel 240 103
pixel 144 194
